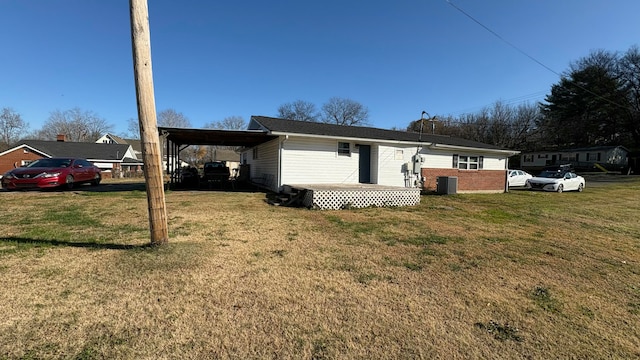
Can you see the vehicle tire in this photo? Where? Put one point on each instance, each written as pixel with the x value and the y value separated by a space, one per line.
pixel 96 180
pixel 68 184
pixel 560 188
pixel 580 188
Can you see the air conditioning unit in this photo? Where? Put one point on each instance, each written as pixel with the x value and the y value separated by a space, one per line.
pixel 447 185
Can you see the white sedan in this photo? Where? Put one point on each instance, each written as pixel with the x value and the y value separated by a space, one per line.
pixel 556 181
pixel 518 177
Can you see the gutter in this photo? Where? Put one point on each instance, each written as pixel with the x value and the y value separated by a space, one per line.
pixel 412 143
pixel 280 146
pixel 434 146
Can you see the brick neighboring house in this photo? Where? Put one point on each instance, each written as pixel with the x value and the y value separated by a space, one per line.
pixel 108 157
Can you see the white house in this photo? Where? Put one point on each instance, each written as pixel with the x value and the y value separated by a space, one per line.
pixel 136 146
pixel 609 157
pixel 299 152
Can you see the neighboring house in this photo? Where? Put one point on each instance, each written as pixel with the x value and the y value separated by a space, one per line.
pixel 108 157
pixel 136 145
pixel 609 157
pixel 299 152
pixel 229 156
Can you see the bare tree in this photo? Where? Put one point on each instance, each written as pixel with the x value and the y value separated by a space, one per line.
pixel 133 128
pixel 76 124
pixel 299 110
pixel 629 70
pixel 228 123
pixel 343 111
pixel 172 118
pixel 11 127
pixel 501 125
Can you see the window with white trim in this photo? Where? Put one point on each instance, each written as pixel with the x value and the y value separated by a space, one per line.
pixel 468 162
pixel 344 149
pixel 255 153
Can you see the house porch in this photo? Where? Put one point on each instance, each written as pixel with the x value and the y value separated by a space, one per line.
pixel 341 196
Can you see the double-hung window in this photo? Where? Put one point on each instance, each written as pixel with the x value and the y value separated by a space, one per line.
pixel 344 149
pixel 468 162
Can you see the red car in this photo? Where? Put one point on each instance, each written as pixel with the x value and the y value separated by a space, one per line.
pixel 52 172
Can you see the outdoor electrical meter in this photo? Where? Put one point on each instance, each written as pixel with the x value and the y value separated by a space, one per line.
pixel 418 160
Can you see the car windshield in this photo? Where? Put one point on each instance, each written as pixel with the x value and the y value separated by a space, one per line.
pixel 46 163
pixel 551 174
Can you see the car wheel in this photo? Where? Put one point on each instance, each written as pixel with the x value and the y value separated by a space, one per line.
pixel 560 188
pixel 96 180
pixel 69 182
pixel 580 188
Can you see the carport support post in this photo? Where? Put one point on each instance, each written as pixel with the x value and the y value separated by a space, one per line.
pixel 152 156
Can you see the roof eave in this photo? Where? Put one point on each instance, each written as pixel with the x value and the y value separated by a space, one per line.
pixel 349 138
pixel 434 146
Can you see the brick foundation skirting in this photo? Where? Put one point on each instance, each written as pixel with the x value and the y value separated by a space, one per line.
pixel 468 180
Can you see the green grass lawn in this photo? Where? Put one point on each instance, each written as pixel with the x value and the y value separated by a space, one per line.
pixel 517 275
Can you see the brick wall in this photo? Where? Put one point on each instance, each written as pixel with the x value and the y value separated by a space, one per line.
pixel 468 180
pixel 16 157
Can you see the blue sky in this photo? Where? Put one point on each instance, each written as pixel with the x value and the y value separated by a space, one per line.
pixel 214 59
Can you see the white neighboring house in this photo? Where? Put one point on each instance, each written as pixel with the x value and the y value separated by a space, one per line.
pixel 136 145
pixel 609 157
pixel 318 153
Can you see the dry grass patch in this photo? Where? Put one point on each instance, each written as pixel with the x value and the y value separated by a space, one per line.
pixel 518 275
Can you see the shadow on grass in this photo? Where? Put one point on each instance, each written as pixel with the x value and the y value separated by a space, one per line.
pixel 25 242
pixel 141 186
pixel 114 187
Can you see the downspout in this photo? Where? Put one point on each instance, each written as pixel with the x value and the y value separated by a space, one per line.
pixel 506 174
pixel 280 147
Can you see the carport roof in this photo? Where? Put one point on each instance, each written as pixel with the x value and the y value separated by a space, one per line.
pixel 247 138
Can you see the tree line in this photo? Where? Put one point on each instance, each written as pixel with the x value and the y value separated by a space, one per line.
pixel 595 102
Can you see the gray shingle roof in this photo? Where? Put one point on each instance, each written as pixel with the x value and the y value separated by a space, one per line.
pixel 315 128
pixel 91 151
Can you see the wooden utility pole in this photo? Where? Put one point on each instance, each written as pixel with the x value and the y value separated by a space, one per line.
pixel 152 157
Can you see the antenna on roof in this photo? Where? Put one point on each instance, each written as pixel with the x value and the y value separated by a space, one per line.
pixel 422 124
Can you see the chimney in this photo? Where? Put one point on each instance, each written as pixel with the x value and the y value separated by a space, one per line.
pixel 61 138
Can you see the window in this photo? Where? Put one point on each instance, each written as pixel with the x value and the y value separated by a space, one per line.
pixel 466 162
pixel 344 149
pixel 255 153
pixel 399 154
pixel 593 156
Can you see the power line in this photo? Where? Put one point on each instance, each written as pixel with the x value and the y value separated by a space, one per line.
pixel 512 101
pixel 529 56
pixel 502 39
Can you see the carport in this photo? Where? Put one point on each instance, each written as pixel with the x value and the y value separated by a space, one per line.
pixel 178 139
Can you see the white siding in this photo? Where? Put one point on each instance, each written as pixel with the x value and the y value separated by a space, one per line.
pixel 494 163
pixel 266 165
pixel 316 161
pixel 308 160
pixel 438 160
pixel 390 168
pixel 444 160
